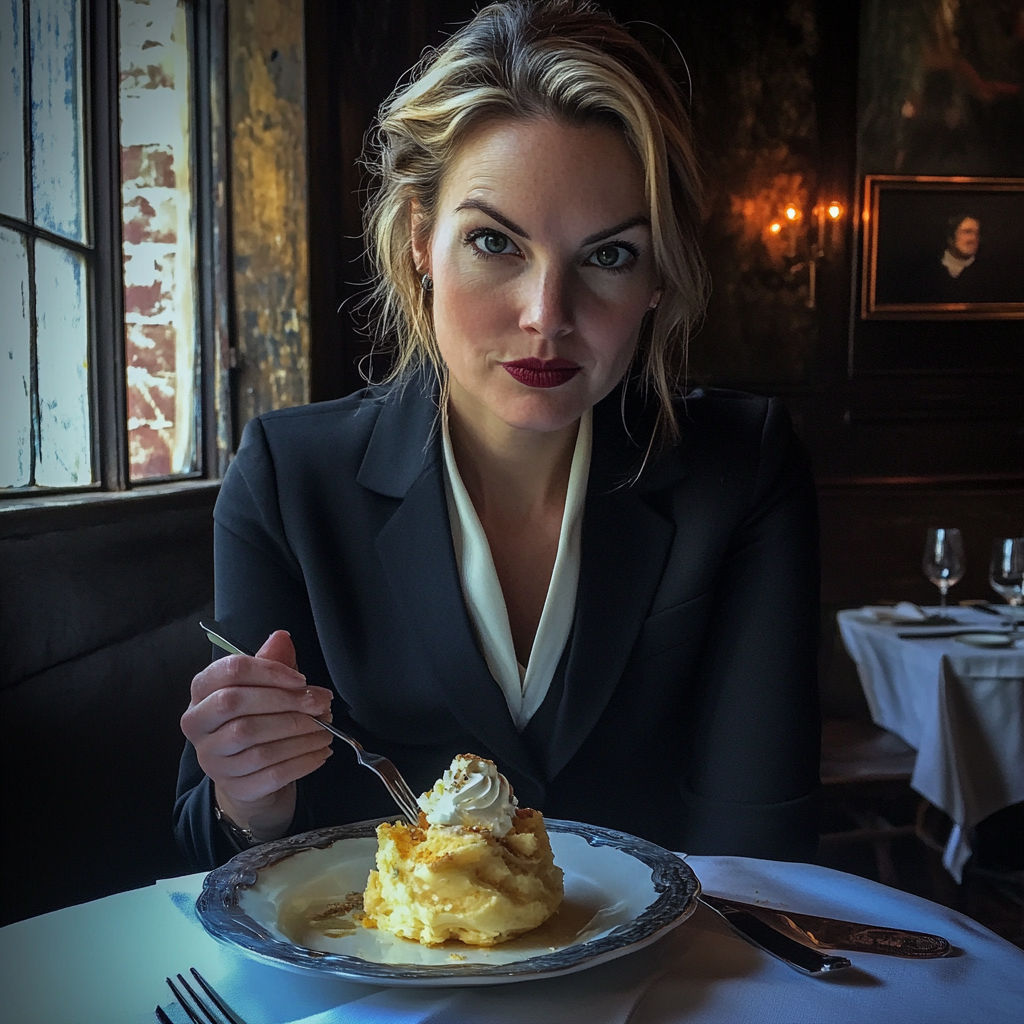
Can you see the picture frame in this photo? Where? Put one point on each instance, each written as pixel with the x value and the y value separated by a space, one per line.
pixel 942 248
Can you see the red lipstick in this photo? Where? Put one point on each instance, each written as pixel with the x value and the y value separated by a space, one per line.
pixel 542 373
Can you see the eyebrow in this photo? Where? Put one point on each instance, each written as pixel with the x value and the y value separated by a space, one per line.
pixel 633 222
pixel 485 207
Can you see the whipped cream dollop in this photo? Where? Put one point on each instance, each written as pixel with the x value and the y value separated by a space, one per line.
pixel 471 793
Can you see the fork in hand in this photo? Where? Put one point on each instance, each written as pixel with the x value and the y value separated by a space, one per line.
pixel 377 763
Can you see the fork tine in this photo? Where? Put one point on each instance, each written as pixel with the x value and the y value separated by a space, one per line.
pixel 410 796
pixel 401 793
pixel 183 1002
pixel 400 784
pixel 230 1014
pixel 412 809
pixel 207 1012
pixel 397 787
pixel 398 781
pixel 226 1015
pixel 400 798
pixel 162 1017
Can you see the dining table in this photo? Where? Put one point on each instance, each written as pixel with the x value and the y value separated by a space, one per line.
pixel 956 700
pixel 105 962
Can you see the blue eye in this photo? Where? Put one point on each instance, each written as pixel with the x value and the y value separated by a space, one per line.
pixel 491 243
pixel 611 257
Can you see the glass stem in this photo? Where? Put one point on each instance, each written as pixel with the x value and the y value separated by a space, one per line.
pixel 943 590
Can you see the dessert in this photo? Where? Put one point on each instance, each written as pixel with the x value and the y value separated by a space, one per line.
pixel 476 867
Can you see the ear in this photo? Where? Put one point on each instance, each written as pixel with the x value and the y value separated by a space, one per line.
pixel 419 237
pixel 655 299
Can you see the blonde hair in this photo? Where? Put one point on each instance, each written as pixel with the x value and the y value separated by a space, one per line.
pixel 563 59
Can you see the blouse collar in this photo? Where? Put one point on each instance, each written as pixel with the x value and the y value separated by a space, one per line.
pixel 524 689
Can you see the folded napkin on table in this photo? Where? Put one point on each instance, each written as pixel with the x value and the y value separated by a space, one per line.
pixel 907 614
pixel 607 994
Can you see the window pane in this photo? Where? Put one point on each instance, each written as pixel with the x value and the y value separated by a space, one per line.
pixel 62 352
pixel 12 110
pixel 58 170
pixel 159 253
pixel 15 374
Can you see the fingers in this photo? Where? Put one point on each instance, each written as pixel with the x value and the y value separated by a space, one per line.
pixel 240 734
pixel 251 722
pixel 271 779
pixel 241 670
pixel 279 647
pixel 249 708
pixel 261 756
pixel 250 758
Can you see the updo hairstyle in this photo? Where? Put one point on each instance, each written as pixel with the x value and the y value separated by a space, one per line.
pixel 563 59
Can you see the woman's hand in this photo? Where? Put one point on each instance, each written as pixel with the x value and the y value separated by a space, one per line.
pixel 249 722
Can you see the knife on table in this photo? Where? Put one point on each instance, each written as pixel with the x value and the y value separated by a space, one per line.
pixel 945 634
pixel 779 945
pixel 828 933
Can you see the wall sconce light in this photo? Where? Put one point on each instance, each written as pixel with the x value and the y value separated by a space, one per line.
pixel 827 218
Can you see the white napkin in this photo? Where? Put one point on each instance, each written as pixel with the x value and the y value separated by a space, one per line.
pixel 602 995
pixel 903 613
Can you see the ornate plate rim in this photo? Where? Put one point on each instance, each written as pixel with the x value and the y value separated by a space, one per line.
pixel 219 911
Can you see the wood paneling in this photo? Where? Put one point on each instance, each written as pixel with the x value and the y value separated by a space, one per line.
pixel 355 53
pixel 269 205
pixel 872 537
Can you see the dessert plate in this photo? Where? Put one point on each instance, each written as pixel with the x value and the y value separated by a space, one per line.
pixel 621 893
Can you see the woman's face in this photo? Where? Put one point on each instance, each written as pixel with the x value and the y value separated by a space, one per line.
pixel 542 271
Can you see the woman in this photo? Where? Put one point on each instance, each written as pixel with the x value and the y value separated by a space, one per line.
pixel 525 545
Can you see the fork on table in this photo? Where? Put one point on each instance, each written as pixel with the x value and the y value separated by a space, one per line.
pixel 205 1008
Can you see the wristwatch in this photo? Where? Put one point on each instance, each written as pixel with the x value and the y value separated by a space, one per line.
pixel 241 837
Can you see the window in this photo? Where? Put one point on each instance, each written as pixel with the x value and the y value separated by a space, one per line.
pixel 111 231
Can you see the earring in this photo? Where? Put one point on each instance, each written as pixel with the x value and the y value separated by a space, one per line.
pixel 427 282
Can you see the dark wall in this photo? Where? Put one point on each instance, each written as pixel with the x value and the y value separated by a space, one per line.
pixel 912 423
pixel 98 644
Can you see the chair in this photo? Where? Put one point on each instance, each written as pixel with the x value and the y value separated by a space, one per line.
pixel 861 766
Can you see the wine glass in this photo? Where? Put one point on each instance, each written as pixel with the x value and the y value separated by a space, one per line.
pixel 943 562
pixel 1007 570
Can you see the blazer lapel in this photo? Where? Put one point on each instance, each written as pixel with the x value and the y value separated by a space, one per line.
pixel 415 548
pixel 625 545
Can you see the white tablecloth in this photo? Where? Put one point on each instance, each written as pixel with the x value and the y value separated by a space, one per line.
pixel 104 963
pixel 960 707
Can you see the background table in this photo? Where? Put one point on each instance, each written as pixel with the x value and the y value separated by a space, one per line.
pixel 104 963
pixel 961 708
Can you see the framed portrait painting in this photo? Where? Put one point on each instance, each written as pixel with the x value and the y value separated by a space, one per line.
pixel 943 248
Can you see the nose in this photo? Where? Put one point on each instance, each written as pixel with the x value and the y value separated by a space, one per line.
pixel 547 306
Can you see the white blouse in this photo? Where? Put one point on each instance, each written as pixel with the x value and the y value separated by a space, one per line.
pixel 524 688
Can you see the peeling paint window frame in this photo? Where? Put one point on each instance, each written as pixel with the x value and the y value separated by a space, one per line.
pixel 103 254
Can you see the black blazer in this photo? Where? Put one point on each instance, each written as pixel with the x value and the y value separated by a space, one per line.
pixel 685 705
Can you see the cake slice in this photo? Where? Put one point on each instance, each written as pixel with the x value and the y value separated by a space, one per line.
pixel 476 867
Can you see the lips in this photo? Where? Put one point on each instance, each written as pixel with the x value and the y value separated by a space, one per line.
pixel 542 373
